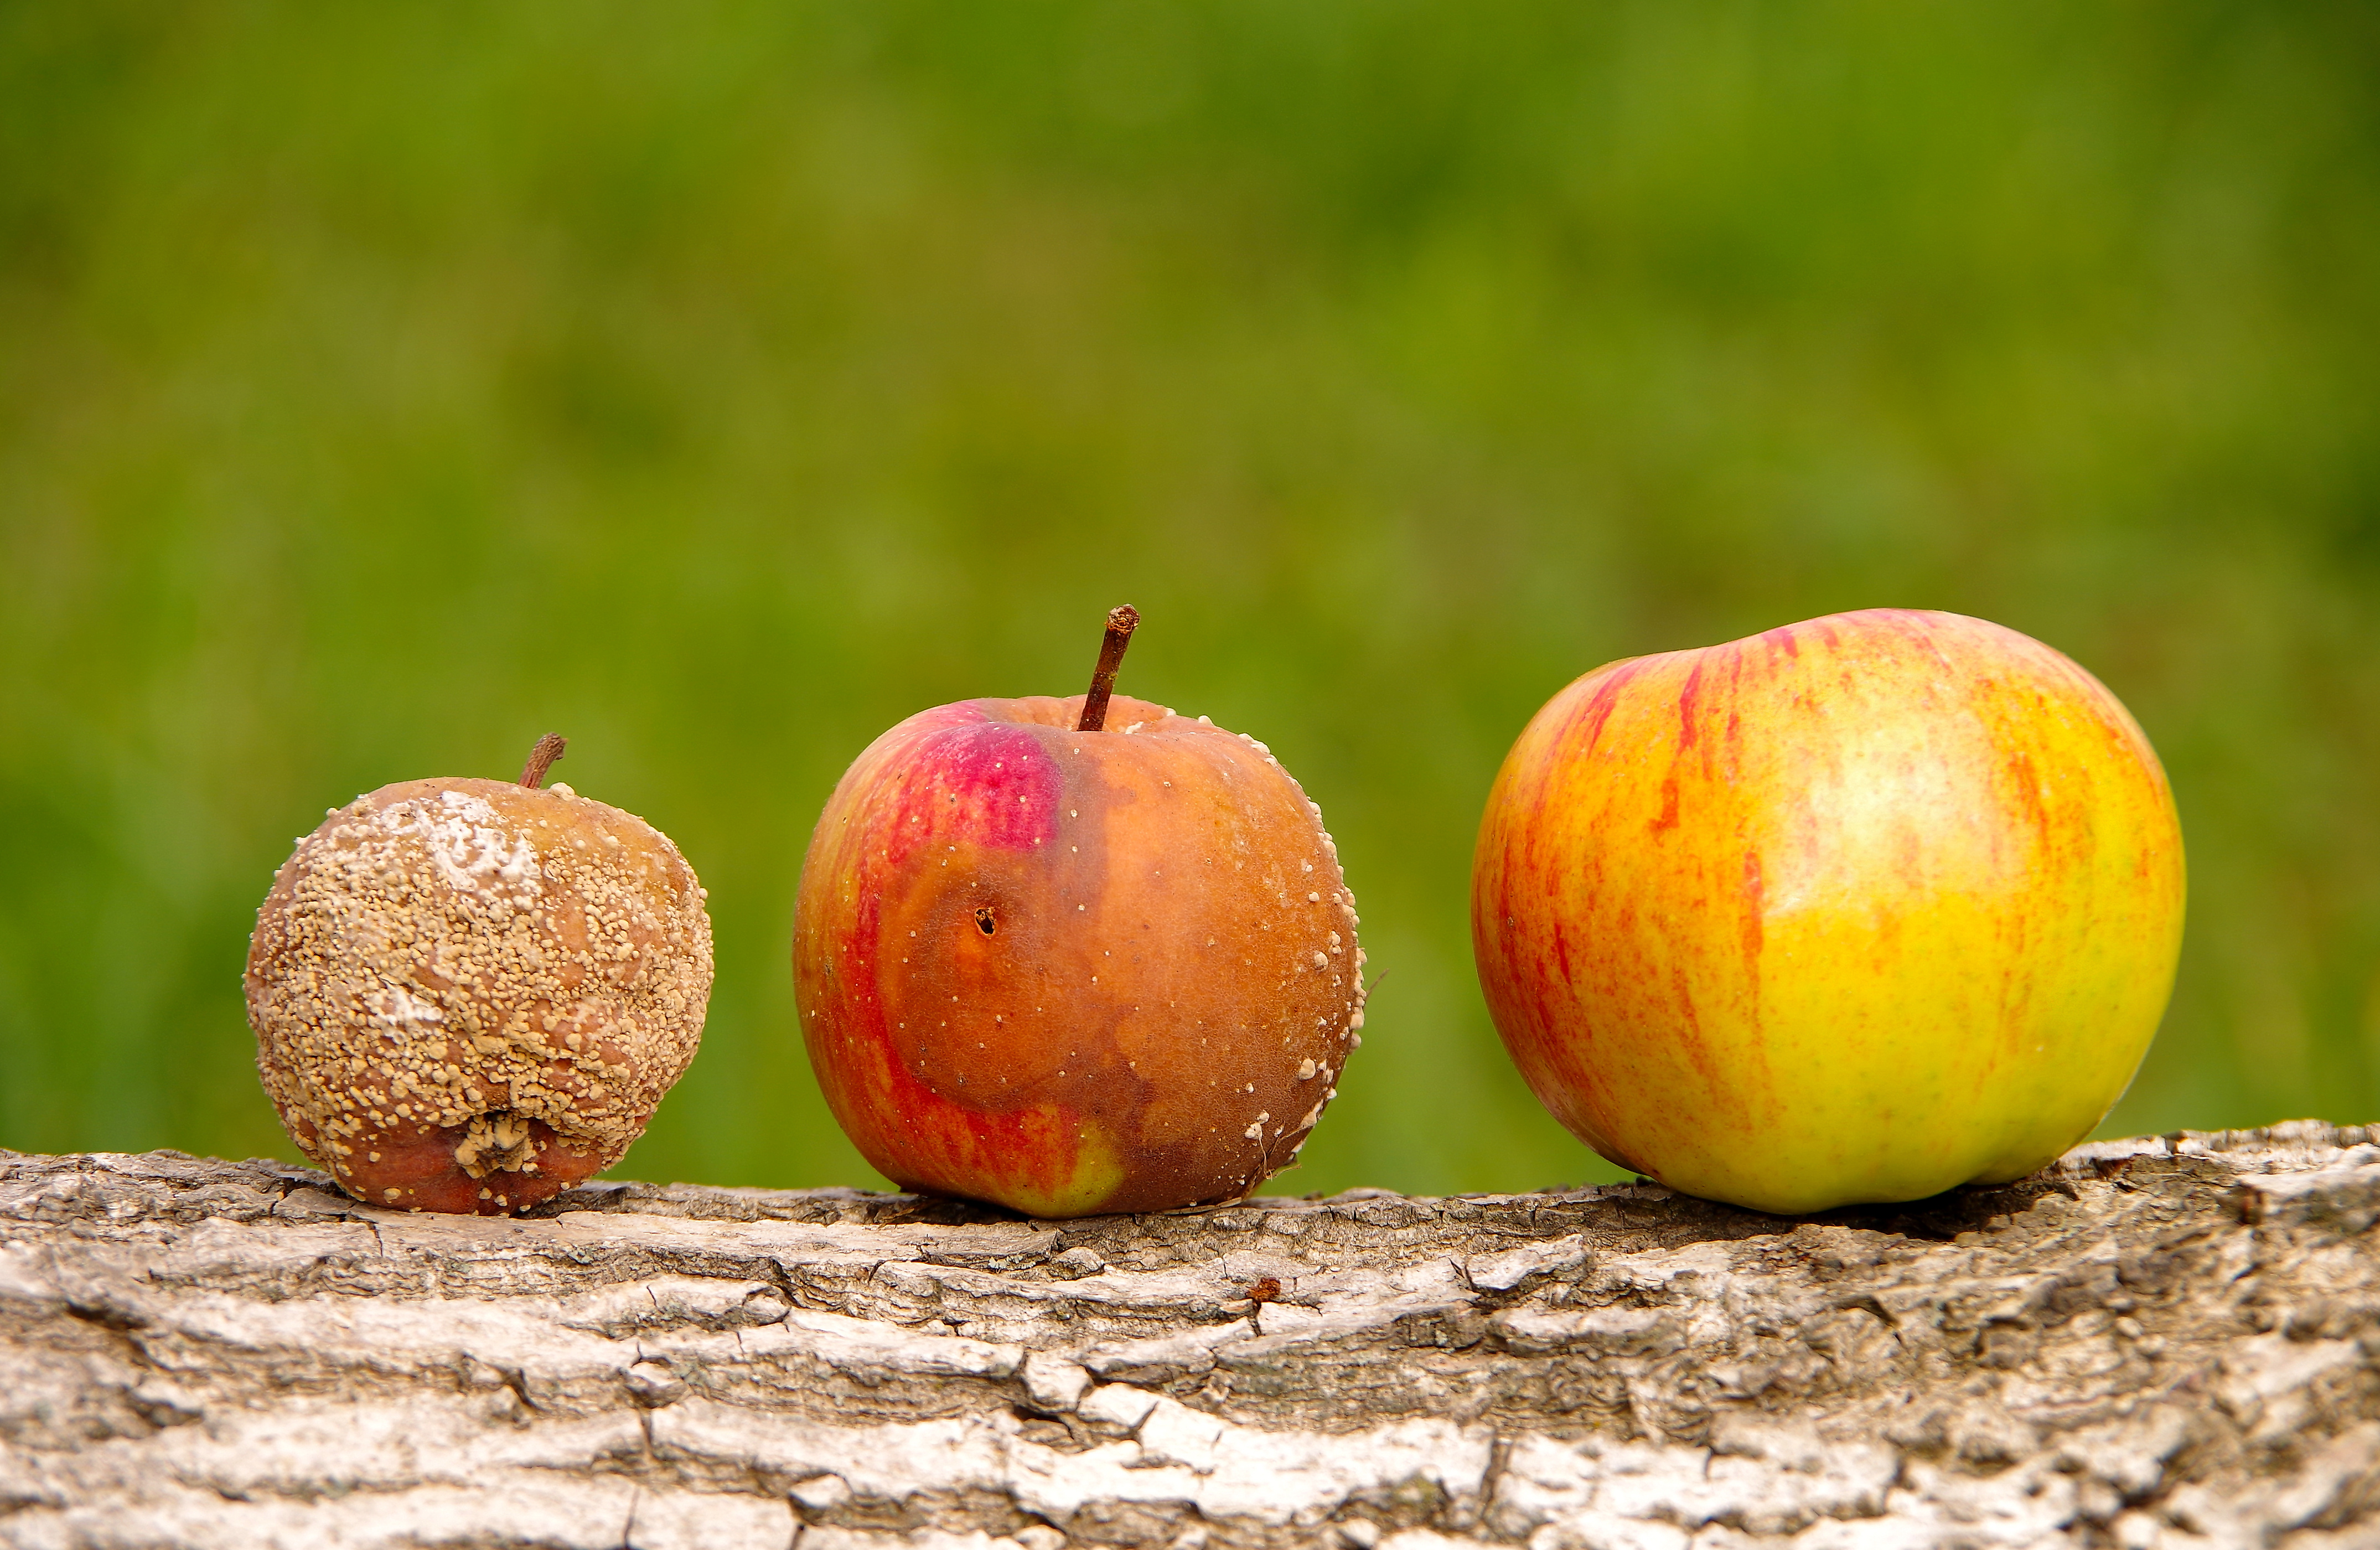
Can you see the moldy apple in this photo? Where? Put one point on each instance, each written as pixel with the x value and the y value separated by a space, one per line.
pixel 470 994
pixel 1075 956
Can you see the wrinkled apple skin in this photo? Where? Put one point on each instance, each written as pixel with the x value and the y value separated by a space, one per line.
pixel 471 995
pixel 1073 972
pixel 1857 909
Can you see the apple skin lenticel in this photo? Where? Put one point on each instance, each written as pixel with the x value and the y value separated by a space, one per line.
pixel 468 995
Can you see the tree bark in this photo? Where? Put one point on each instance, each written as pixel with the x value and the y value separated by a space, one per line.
pixel 2164 1342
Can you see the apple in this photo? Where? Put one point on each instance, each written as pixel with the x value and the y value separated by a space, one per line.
pixel 1075 956
pixel 1857 909
pixel 470 994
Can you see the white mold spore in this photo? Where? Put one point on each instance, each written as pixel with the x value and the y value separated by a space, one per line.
pixel 468 843
pixel 394 1007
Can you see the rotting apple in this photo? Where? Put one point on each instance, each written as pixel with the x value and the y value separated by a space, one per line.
pixel 1070 968
pixel 1857 909
pixel 470 994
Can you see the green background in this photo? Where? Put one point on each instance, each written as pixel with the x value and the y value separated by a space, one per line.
pixel 382 387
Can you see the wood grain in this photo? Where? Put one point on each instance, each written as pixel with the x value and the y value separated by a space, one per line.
pixel 2162 1342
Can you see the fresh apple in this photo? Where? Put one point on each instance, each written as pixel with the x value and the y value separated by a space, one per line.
pixel 1853 910
pixel 1070 957
pixel 470 994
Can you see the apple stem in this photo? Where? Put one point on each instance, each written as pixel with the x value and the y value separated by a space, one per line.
pixel 1122 622
pixel 541 758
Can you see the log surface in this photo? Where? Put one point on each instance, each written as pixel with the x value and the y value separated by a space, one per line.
pixel 2164 1343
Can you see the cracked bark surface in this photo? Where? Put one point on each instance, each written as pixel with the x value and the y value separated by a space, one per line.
pixel 2154 1345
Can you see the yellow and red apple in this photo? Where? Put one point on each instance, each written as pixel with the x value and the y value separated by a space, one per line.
pixel 1857 909
pixel 1071 972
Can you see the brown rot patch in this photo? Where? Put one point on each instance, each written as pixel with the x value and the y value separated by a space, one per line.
pixel 491 1164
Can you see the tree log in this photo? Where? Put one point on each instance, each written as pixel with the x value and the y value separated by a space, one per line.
pixel 2164 1342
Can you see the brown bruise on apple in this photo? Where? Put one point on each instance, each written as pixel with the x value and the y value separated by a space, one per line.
pixel 468 994
pixel 1076 972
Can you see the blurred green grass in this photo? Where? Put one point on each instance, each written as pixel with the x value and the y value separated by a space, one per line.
pixel 380 387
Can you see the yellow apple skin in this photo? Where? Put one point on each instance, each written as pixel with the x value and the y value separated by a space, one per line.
pixel 1858 909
